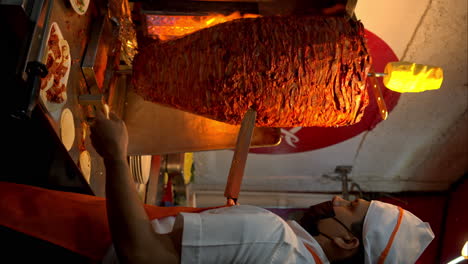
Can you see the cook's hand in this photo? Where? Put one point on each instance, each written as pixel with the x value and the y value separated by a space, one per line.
pixel 231 202
pixel 109 136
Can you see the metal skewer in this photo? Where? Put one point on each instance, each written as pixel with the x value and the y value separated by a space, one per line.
pixel 377 74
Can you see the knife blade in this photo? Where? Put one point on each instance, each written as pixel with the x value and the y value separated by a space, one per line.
pixel 239 159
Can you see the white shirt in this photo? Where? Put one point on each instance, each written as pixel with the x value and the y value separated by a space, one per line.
pixel 306 238
pixel 239 234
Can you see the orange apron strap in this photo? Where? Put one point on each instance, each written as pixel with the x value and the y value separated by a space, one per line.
pixel 384 254
pixel 314 254
pixel 73 221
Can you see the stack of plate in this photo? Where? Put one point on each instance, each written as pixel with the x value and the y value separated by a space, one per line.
pixel 140 168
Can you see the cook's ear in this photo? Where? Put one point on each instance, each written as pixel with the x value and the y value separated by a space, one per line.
pixel 347 242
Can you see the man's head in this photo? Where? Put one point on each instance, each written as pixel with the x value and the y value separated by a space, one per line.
pixel 337 226
pixel 365 232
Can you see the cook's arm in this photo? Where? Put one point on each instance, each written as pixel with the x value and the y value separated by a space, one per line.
pixel 132 234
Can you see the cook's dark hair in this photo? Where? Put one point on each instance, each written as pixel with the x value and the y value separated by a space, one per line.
pixel 356 229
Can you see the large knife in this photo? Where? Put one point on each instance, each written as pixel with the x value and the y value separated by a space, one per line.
pixel 377 91
pixel 239 159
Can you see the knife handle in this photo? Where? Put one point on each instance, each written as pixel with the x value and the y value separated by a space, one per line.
pixel 239 159
pixel 378 96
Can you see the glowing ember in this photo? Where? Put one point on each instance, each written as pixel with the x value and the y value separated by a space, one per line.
pixel 170 27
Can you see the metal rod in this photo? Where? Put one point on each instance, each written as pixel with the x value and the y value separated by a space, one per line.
pixel 90 99
pixel 377 74
pixel 343 171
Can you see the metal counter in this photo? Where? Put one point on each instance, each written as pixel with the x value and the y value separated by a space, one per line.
pixel 76 30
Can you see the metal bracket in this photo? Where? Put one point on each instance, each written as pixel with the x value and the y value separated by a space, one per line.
pixel 341 174
pixel 344 171
pixel 90 99
pixel 36 68
pixel 35 71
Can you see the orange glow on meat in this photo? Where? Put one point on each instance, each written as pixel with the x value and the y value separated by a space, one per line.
pixel 171 27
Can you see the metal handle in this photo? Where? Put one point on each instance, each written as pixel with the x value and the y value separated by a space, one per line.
pixel 35 71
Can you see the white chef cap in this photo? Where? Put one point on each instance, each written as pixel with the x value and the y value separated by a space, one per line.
pixel 393 236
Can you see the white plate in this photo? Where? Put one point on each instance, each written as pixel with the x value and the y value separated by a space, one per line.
pixel 145 168
pixel 85 165
pixel 67 128
pixel 140 167
pixel 51 106
pixel 80 6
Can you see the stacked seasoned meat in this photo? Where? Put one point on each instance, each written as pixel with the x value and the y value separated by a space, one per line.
pixel 294 71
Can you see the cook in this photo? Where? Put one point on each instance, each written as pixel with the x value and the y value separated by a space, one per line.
pixel 337 231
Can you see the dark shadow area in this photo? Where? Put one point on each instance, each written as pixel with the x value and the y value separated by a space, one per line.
pixel 32 154
pixel 19 248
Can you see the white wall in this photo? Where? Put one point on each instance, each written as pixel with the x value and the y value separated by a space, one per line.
pixel 421 146
pixel 420 126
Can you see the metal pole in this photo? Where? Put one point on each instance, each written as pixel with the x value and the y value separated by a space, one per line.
pixel 343 171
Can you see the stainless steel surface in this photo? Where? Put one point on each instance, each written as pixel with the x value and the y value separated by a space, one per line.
pixel 30 67
pixel 34 66
pixel 22 3
pixel 90 99
pixel 76 30
pixel 97 51
pixel 29 7
pixel 174 163
pixel 41 30
pixel 155 129
pixel 34 18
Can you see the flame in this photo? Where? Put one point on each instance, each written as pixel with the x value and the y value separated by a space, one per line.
pixel 170 27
